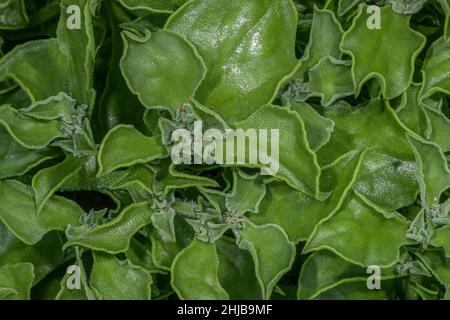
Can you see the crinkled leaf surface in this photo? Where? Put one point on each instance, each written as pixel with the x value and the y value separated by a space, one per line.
pixel 18 212
pixel 318 128
pixel 113 236
pixel 372 51
pixel 360 234
pixel 298 213
pixel 264 243
pixel 248 48
pixel 436 69
pixel 434 175
pixel 113 279
pixel 297 162
pixel 70 55
pixel 162 68
pixel 18 278
pixel 195 273
pixel 125 146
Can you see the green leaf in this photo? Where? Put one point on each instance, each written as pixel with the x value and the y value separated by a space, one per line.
pixel 82 293
pixel 45 256
pixel 20 126
pixel 70 55
pixel 356 289
pixel 117 104
pixel 233 87
pixel 393 70
pixel 151 6
pixel 434 175
pixel 407 7
pixel 13 14
pixel 237 271
pixel 139 254
pixel 19 279
pixel 112 279
pixel 360 234
pixel 412 113
pixel 164 251
pixel 164 223
pixel 330 79
pixel 438 265
pixel 16 160
pixel 161 68
pixel 298 213
pixel 47 181
pixel 323 271
pixel 318 128
pixel 440 128
pixel 247 194
pixel 18 212
pixel 435 69
pixel 441 239
pixel 169 178
pixel 114 236
pixel 264 243
pixel 371 125
pixel 125 146
pixel 386 181
pixel 297 162
pixel 194 273
pixel 345 6
pixel 324 40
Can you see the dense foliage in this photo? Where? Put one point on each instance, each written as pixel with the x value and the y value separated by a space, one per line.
pixel 91 91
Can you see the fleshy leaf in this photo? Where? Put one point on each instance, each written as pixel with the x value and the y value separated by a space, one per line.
pixel 324 40
pixel 440 128
pixel 45 256
pixel 18 277
pixel 370 50
pixel 412 114
pixel 264 243
pixel 324 270
pixel 371 125
pixel 360 234
pixel 164 251
pixel 13 14
pixel 151 6
pixel 318 128
pixel 298 213
pixel 438 265
pixel 113 236
pixel 47 181
pixel 125 146
pixel 297 162
pixel 345 6
pixel 169 178
pixel 18 212
pixel 436 69
pixel 441 239
pixel 162 68
pixel 388 182
pixel 164 222
pixel 434 175
pixel 112 279
pixel 20 126
pixel 237 271
pixel 407 7
pixel 16 160
pixel 247 194
pixel 330 79
pixel 195 273
pixel 233 86
pixel 71 55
